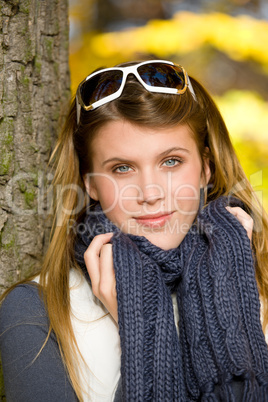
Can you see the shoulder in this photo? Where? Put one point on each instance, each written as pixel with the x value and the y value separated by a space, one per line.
pixel 32 364
pixel 23 304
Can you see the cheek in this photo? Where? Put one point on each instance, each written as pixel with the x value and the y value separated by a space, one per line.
pixel 186 194
pixel 116 198
pixel 107 191
pixel 187 199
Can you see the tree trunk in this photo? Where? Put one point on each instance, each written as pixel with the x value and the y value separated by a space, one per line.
pixel 34 92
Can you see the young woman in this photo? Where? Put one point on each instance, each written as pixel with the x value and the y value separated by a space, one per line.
pixel 151 284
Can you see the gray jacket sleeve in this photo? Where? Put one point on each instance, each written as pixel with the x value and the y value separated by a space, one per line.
pixel 28 374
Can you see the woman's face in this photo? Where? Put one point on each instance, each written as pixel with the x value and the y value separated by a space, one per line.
pixel 147 180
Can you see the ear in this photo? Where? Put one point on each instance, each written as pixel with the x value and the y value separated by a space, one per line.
pixel 206 174
pixel 90 186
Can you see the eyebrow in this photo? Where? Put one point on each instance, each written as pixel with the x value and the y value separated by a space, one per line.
pixel 163 154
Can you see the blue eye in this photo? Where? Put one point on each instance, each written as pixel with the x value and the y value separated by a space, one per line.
pixel 171 162
pixel 122 169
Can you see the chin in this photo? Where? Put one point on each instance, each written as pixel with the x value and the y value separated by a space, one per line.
pixel 163 241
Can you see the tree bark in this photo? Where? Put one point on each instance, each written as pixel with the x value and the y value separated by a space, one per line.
pixel 34 92
pixel 34 80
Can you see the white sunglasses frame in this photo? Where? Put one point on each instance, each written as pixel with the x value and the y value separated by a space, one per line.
pixel 126 71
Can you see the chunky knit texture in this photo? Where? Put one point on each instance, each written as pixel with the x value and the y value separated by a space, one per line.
pixel 220 335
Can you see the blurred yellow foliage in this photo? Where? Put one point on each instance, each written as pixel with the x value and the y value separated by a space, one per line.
pixel 246 116
pixel 240 37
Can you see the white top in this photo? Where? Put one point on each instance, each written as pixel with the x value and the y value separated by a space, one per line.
pixel 98 340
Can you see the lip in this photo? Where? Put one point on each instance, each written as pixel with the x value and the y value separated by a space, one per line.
pixel 154 220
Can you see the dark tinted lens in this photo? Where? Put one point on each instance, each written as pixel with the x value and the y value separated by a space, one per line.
pixel 162 75
pixel 100 86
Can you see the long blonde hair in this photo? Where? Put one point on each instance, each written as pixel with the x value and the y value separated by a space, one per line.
pixel 72 159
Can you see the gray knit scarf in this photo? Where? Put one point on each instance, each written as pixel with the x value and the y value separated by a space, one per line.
pixel 220 340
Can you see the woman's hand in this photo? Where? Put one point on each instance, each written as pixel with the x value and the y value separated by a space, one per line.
pixel 242 217
pixel 99 261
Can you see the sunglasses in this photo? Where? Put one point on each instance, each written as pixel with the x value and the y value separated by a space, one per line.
pixel 107 84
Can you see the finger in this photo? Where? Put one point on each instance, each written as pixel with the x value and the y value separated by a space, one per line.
pixel 107 284
pixel 244 218
pixel 107 276
pixel 92 258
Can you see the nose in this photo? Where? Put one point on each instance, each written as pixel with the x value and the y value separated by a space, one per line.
pixel 151 190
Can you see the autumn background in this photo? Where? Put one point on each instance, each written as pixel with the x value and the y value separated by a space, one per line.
pixel 221 43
